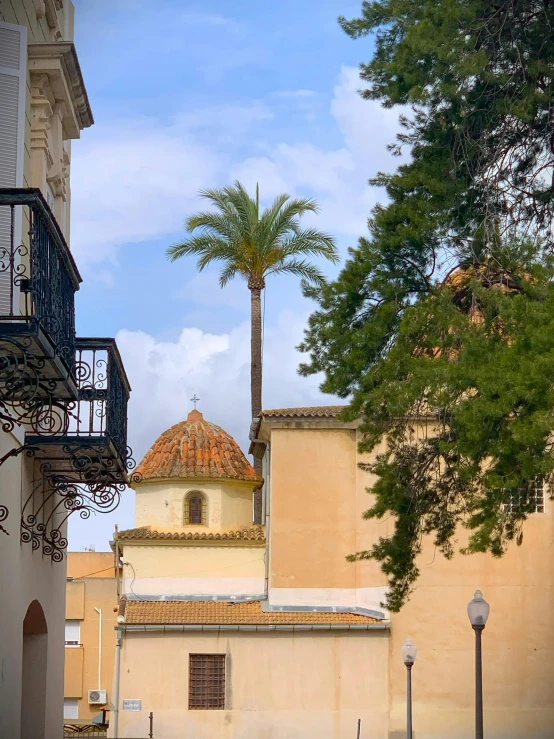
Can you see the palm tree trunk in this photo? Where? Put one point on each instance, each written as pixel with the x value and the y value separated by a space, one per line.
pixel 256 351
pixel 256 377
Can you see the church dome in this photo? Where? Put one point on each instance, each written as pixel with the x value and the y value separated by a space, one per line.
pixel 196 449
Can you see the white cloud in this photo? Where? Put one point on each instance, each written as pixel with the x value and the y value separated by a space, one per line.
pixel 137 180
pixel 164 376
pixel 203 289
pixel 133 183
pixel 336 177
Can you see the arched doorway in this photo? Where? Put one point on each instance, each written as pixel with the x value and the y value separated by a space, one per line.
pixel 33 674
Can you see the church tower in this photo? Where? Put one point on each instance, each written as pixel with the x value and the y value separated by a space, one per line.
pixel 193 514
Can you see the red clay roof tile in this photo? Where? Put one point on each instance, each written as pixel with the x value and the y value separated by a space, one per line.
pixel 254 533
pixel 196 448
pixel 223 612
pixel 313 411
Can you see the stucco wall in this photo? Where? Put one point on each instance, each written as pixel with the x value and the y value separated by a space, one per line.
pixel 279 686
pixel 518 641
pixel 73 672
pixel 194 570
pixel 75 600
pixel 316 504
pixel 315 469
pixel 90 564
pixel 26 576
pixel 98 590
pixel 160 505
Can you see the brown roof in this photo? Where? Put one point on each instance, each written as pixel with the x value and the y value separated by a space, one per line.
pixel 196 448
pixel 222 612
pixel 254 533
pixel 313 411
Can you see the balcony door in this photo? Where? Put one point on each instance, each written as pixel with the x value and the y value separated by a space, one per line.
pixel 13 65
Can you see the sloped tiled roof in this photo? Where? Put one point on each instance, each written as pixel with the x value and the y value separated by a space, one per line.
pixel 196 448
pixel 313 411
pixel 223 612
pixel 254 533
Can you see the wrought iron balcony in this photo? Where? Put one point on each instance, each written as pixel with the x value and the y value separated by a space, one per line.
pixel 83 468
pixel 70 395
pixel 92 446
pixel 38 281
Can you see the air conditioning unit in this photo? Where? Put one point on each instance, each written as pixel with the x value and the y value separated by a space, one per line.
pixel 97 696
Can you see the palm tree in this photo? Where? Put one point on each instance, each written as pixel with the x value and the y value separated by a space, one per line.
pixel 254 246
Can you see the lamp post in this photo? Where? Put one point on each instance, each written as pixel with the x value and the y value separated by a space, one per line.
pixel 408 652
pixel 478 612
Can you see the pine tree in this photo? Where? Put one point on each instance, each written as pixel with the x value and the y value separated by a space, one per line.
pixel 447 305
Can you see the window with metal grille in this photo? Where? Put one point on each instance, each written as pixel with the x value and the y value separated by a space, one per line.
pixel 206 682
pixel 533 502
pixel 195 509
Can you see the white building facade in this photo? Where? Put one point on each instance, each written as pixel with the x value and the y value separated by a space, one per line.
pixel 53 461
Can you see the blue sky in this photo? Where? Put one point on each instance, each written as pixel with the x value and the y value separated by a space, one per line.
pixel 188 95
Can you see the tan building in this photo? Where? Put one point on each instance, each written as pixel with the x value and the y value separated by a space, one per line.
pixel 62 425
pixel 90 620
pixel 270 631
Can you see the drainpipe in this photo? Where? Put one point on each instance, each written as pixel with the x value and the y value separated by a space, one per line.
pixel 119 630
pixel 117 564
pixel 254 428
pixel 99 612
pixel 267 517
pixel 267 506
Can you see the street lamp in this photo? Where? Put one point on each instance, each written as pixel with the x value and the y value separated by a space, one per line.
pixel 478 612
pixel 408 652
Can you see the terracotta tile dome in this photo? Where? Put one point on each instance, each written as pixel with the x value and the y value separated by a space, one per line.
pixel 196 448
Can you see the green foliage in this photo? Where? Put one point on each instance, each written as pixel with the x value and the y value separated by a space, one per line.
pixel 479 74
pixel 397 332
pixel 464 395
pixel 254 245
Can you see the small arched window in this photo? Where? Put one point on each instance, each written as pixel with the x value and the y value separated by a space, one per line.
pixel 195 509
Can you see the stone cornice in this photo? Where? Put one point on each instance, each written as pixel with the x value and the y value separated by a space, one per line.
pixel 196 482
pixel 145 535
pixel 237 543
pixel 60 63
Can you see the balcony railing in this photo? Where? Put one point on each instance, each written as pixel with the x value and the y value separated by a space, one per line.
pixel 93 444
pixel 70 395
pixel 84 467
pixel 38 281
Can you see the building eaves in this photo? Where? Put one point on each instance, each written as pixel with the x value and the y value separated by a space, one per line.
pixel 235 615
pixel 314 411
pixel 254 533
pixel 40 58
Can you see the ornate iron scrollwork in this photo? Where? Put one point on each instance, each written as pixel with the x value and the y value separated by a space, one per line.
pixel 30 451
pixel 4 513
pixel 37 318
pixel 69 394
pixel 43 523
pixel 93 485
pixel 27 396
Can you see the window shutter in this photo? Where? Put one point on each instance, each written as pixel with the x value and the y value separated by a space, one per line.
pixel 72 632
pixel 13 68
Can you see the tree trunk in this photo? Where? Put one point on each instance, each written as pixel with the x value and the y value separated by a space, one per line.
pixel 256 378
pixel 256 351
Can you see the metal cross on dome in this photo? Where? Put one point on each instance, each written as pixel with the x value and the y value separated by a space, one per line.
pixel 194 400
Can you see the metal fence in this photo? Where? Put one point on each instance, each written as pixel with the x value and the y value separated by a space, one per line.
pixel 74 732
